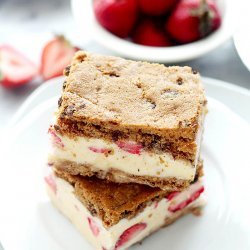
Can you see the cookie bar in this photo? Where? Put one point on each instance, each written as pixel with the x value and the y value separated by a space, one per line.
pixel 114 216
pixel 129 121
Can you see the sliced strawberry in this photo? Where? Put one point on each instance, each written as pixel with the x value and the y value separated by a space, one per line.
pixel 130 147
pixel 93 226
pixel 176 207
pixel 130 233
pixel 56 140
pixel 15 68
pixel 51 182
pixel 156 204
pixel 172 195
pixel 56 55
pixel 100 150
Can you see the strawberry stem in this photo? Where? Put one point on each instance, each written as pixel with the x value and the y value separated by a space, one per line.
pixel 205 19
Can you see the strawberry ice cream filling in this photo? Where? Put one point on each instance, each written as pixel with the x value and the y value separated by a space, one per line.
pixel 127 231
pixel 126 156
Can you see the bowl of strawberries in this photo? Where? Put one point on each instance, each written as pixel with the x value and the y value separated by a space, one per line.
pixel 165 31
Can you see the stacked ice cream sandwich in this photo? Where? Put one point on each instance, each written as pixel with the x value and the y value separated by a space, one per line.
pixel 125 148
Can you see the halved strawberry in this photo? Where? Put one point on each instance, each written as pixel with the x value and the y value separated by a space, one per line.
pixel 56 140
pixel 156 204
pixel 130 147
pixel 172 195
pixel 51 182
pixel 99 150
pixel 15 68
pixel 56 55
pixel 130 233
pixel 176 207
pixel 93 226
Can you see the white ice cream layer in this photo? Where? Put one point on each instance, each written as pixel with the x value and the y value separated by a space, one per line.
pixel 82 150
pixel 152 217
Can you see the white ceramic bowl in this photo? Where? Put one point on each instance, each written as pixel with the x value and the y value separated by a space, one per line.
pixel 88 26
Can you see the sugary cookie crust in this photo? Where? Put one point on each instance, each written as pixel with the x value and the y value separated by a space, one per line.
pixel 167 184
pixel 112 97
pixel 113 201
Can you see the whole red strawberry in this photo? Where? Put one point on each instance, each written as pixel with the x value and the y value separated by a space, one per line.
pixel 193 19
pixel 148 33
pixel 156 7
pixel 117 16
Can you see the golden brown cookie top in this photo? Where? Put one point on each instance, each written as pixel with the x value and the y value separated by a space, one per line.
pixel 104 89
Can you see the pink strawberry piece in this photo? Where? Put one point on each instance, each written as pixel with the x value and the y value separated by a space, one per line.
pixel 56 140
pixel 172 195
pixel 99 150
pixel 93 226
pixel 56 55
pixel 156 204
pixel 130 233
pixel 176 207
pixel 51 182
pixel 130 147
pixel 15 68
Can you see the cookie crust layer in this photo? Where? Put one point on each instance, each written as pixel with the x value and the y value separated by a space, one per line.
pixel 109 200
pixel 167 184
pixel 110 97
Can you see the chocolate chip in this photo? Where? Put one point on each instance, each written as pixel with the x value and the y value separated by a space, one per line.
pixel 98 127
pixel 114 74
pixel 60 102
pixel 82 106
pixel 115 135
pixel 179 81
pixel 98 88
pixel 69 111
pixel 194 71
pixel 67 70
pixel 64 85
pixel 80 58
pixel 153 105
pixel 138 84
pixel 56 127
pixel 114 122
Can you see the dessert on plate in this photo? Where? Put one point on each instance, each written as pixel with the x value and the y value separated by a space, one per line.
pixel 129 122
pixel 125 155
pixel 114 216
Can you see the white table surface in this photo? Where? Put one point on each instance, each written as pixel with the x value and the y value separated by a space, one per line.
pixel 22 19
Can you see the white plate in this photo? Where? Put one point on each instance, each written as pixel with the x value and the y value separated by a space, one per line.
pixel 89 27
pixel 28 220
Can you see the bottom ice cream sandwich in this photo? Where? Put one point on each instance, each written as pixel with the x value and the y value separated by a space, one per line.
pixel 115 216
